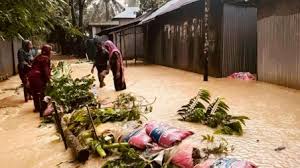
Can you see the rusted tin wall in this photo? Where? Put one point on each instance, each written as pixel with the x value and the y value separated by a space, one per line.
pixel 176 39
pixel 8 56
pixel 239 50
pixel 279 43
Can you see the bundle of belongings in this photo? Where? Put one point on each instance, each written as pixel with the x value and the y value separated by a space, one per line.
pixel 247 76
pixel 165 144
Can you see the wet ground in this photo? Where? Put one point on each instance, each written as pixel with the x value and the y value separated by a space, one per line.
pixel 274 113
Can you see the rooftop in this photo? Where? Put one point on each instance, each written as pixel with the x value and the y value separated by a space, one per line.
pixel 128 25
pixel 109 23
pixel 168 7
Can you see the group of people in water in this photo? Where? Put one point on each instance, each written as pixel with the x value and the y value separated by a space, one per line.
pixel 35 71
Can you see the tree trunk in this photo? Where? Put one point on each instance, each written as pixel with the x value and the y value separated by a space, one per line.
pixel 81 8
pixel 74 23
pixel 81 153
pixel 106 10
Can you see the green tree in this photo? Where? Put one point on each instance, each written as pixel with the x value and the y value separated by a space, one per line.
pixel 25 18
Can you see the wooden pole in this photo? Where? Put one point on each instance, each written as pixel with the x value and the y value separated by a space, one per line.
pixel 13 57
pixel 124 37
pixel 206 43
pixel 40 104
pixel 58 124
pixel 92 122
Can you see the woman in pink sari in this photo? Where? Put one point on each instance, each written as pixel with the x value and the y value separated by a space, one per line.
pixel 116 65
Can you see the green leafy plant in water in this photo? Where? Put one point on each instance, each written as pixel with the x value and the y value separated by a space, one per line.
pixel 215 148
pixel 126 108
pixel 68 92
pixel 129 157
pixel 214 114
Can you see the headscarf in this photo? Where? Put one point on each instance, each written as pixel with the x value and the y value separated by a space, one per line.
pixel 111 48
pixel 46 50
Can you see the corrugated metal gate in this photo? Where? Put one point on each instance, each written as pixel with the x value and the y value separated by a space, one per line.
pixel 239 39
pixel 131 42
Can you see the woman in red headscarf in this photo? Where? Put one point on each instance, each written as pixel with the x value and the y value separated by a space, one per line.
pixel 116 65
pixel 39 76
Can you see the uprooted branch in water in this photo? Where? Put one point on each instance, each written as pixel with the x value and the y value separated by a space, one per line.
pixel 214 114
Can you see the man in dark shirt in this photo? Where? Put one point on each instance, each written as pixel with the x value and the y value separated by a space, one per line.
pixel 101 63
pixel 25 59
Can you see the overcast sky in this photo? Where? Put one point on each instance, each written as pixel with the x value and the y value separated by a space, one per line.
pixel 121 1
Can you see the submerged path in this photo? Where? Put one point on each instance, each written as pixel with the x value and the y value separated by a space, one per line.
pixel 274 113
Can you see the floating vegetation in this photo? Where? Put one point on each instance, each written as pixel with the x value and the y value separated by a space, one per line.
pixel 214 114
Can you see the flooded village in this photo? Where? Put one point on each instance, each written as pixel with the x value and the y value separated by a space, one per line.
pixel 178 83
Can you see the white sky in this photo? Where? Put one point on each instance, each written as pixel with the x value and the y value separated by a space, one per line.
pixel 121 1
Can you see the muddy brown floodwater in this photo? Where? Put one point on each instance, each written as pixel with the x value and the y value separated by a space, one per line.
pixel 274 113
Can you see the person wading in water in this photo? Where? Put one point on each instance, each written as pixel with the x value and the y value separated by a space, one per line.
pixel 25 59
pixel 116 65
pixel 39 76
pixel 101 63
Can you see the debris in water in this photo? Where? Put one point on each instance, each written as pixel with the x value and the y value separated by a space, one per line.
pixel 280 149
pixel 3 77
pixel 16 89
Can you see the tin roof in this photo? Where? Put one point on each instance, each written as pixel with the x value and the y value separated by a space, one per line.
pixel 129 13
pixel 176 4
pixel 129 24
pixel 109 23
pixel 168 7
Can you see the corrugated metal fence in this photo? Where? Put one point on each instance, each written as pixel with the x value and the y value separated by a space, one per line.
pixel 8 56
pixel 239 39
pixel 175 39
pixel 279 50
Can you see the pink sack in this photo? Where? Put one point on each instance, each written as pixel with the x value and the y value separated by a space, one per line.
pixel 226 163
pixel 165 135
pixel 49 110
pixel 183 158
pixel 243 76
pixel 138 138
